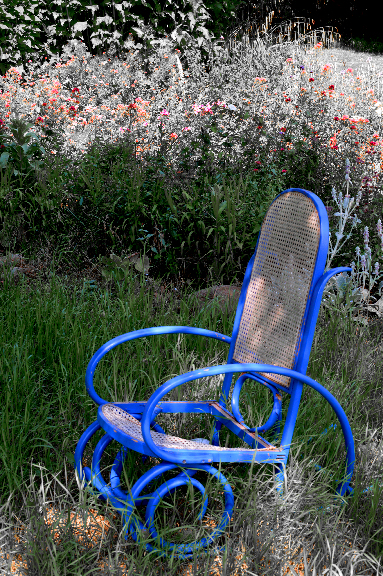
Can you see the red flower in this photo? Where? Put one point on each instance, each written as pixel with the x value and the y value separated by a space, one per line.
pixel 311 79
pixel 331 87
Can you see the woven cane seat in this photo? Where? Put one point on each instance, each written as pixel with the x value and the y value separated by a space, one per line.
pixel 271 326
pixel 126 423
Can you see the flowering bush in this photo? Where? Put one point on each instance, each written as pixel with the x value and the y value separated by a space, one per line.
pixel 191 139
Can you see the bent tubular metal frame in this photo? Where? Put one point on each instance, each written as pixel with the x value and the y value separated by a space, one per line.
pixel 133 424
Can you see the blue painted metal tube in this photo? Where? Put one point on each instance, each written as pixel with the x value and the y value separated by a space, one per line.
pixel 234 368
pixel 97 480
pixel 181 550
pixel 85 437
pixel 276 413
pixel 140 334
pixel 168 488
pixel 115 474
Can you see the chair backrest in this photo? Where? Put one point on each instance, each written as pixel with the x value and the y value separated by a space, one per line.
pixel 278 294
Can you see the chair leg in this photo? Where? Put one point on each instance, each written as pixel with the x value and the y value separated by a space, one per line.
pixel 125 503
pixel 344 489
pixel 84 475
pixel 217 428
pixel 183 551
pixel 280 477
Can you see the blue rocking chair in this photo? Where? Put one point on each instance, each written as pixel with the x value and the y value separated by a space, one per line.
pixel 270 345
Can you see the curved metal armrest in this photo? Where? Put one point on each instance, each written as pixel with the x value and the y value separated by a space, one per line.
pixel 318 292
pixel 326 277
pixel 224 369
pixel 140 334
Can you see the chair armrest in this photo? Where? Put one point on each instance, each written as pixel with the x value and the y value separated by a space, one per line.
pixel 224 369
pixel 140 334
pixel 311 320
pixel 321 283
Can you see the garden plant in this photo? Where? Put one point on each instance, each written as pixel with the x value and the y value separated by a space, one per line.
pixel 125 187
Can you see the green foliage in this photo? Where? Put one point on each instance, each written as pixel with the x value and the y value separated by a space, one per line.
pixel 18 150
pixel 192 210
pixel 105 24
pixel 48 335
pixel 116 268
pixel 365 45
pixel 109 204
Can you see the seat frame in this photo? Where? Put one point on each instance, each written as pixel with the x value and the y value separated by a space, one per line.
pixel 203 456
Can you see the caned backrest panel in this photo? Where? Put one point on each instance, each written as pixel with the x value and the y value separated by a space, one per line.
pixel 272 320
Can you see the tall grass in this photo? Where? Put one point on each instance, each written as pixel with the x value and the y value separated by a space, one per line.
pixel 51 325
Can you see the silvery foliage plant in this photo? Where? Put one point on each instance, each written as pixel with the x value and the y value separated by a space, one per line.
pixel 353 291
